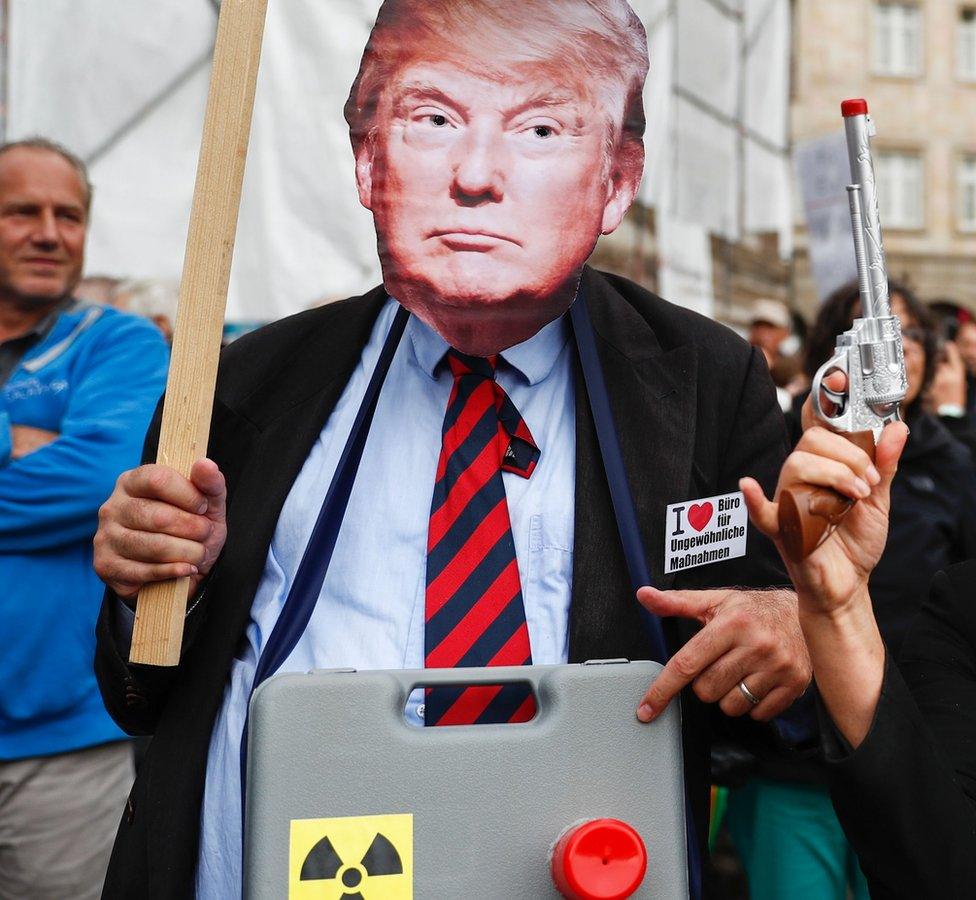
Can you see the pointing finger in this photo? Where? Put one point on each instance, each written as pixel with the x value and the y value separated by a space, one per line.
pixel 802 467
pixel 837 382
pixel 831 445
pixel 683 668
pixel 681 604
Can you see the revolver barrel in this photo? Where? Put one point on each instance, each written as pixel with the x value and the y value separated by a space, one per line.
pixel 871 352
pixel 859 130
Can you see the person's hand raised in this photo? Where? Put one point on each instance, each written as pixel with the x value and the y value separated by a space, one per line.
pixel 158 525
pixel 948 386
pixel 830 576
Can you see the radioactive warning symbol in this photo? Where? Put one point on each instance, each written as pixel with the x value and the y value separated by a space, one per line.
pixel 353 858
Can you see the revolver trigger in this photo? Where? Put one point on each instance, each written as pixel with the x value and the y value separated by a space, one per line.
pixel 834 396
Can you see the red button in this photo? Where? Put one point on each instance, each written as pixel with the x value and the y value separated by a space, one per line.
pixel 603 859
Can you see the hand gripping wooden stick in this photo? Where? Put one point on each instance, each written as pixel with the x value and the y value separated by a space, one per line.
pixel 158 632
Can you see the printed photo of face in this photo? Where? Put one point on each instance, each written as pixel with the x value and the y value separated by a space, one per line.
pixel 488 188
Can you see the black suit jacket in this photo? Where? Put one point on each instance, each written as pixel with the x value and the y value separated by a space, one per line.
pixel 695 409
pixel 907 796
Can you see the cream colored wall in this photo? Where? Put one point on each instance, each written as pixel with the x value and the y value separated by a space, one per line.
pixel 934 113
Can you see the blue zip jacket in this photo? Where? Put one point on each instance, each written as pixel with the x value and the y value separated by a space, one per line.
pixel 95 379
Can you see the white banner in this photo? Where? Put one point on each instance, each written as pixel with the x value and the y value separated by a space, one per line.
pixel 768 187
pixel 138 76
pixel 302 234
pixel 823 171
pixel 658 105
pixel 685 265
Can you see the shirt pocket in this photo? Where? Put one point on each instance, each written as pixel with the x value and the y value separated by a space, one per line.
pixel 548 587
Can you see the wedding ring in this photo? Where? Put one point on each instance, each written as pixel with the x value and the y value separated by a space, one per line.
pixel 749 695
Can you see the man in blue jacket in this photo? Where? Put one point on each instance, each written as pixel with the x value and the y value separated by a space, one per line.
pixel 77 388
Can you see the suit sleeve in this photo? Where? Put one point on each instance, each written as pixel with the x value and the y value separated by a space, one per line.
pixel 961 428
pixel 135 695
pixel 51 496
pixel 906 796
pixel 966 537
pixel 756 446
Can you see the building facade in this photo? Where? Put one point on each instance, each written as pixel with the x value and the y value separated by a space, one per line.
pixel 712 225
pixel 915 63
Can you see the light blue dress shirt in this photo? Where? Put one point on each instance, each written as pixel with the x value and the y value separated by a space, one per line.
pixel 370 613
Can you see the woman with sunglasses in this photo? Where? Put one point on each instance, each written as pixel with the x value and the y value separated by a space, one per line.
pixel 782 820
pixel 933 496
pixel 899 740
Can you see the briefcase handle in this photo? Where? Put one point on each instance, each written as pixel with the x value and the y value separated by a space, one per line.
pixel 538 678
pixel 411 679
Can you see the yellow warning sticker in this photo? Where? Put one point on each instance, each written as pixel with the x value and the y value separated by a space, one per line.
pixel 352 858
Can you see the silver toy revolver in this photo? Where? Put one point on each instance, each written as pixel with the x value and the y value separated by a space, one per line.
pixel 870 354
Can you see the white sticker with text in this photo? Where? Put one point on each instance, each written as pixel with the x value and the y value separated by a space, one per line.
pixel 705 531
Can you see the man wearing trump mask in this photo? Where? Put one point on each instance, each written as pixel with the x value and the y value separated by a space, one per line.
pixel 494 143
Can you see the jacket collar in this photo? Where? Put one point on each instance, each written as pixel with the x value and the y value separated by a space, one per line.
pixel 313 376
pixel 533 359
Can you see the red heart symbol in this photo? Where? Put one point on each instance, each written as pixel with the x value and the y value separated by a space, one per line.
pixel 699 515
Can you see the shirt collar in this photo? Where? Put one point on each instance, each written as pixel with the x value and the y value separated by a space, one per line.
pixel 532 359
pixel 42 328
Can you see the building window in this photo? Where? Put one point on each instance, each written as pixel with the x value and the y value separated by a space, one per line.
pixel 900 189
pixel 897 39
pixel 967 192
pixel 966 45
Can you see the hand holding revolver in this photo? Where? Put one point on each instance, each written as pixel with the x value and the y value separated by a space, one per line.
pixel 858 391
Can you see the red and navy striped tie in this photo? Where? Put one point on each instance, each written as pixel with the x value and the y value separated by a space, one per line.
pixel 475 615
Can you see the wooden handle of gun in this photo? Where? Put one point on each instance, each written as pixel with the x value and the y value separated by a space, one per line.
pixel 808 514
pixel 158 632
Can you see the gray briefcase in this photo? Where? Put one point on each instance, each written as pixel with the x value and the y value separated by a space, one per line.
pixel 348 801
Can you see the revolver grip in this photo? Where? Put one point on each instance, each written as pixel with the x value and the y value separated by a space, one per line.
pixel 808 514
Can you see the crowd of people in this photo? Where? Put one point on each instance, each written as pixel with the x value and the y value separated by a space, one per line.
pixel 860 781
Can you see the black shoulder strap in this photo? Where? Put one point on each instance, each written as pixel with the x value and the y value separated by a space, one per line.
pixel 613 465
pixel 627 525
pixel 305 589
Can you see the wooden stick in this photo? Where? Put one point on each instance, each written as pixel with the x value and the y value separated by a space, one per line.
pixel 158 632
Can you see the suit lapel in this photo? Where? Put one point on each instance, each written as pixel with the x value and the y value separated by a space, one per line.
pixel 653 398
